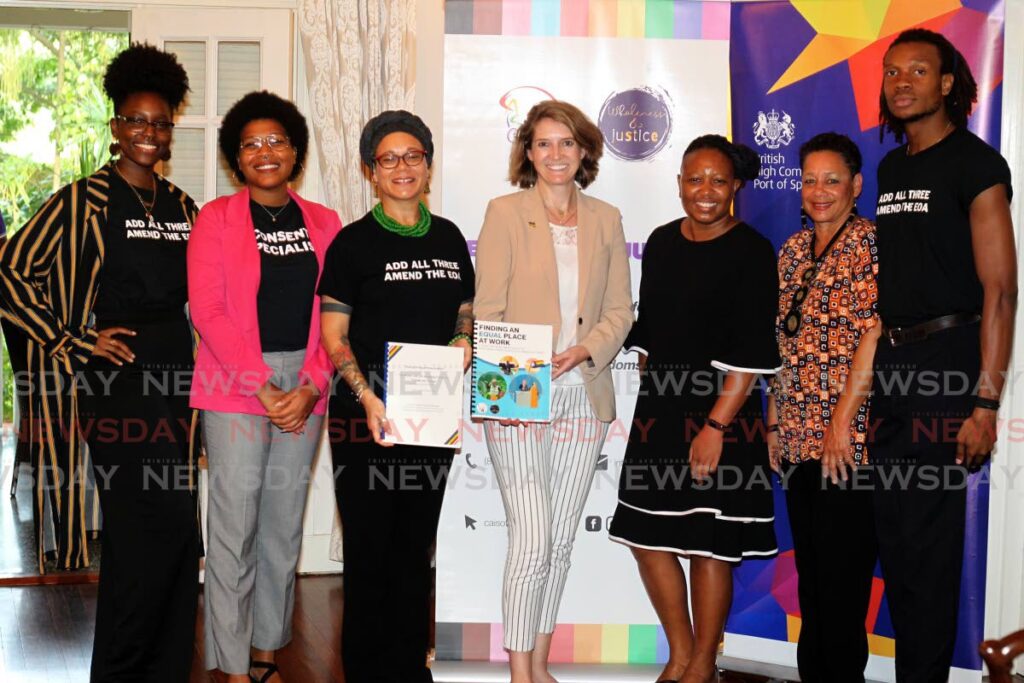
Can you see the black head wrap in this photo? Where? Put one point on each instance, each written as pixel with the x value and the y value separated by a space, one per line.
pixel 394 121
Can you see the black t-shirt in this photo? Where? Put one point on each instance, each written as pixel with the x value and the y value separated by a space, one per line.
pixel 143 275
pixel 288 270
pixel 925 257
pixel 403 289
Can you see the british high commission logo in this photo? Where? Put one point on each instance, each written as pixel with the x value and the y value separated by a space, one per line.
pixel 636 123
pixel 772 129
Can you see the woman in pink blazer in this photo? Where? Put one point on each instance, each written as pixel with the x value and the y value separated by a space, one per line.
pixel 261 380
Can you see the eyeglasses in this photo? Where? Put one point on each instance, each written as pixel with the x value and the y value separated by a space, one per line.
pixel 791 323
pixel 414 157
pixel 254 144
pixel 137 124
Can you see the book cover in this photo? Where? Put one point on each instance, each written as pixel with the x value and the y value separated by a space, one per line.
pixel 511 371
pixel 424 394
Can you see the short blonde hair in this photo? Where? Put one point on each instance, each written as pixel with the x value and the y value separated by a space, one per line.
pixel 584 131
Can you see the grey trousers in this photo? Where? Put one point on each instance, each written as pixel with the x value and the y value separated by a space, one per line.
pixel 258 481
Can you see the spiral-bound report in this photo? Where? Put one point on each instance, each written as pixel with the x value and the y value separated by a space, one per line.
pixel 423 399
pixel 511 371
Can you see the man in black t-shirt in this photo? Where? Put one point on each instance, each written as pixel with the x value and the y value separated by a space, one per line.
pixel 947 297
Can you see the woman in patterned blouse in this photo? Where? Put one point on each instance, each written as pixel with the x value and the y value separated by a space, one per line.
pixel 828 330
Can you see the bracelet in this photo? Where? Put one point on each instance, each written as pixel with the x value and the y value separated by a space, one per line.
pixel 986 403
pixel 460 336
pixel 715 424
pixel 359 393
pixel 772 428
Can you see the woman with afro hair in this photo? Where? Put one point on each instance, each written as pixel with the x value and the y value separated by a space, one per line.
pixel 261 380
pixel 97 281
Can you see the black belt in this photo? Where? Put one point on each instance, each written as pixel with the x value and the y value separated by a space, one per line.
pixel 898 336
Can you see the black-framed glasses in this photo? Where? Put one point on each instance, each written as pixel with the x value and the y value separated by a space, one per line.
pixel 137 124
pixel 791 323
pixel 275 142
pixel 414 157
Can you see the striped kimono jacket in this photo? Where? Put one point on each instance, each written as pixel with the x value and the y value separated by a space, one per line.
pixel 49 273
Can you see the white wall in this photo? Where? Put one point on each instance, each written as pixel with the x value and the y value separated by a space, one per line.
pixel 1004 604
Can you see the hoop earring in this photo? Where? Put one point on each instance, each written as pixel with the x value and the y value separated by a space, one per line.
pixel 115 149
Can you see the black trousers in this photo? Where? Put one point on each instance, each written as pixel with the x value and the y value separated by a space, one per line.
pixel 136 423
pixel 390 502
pixel 17 350
pixel 835 549
pixel 923 392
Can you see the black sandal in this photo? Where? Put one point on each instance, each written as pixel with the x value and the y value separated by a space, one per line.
pixel 271 669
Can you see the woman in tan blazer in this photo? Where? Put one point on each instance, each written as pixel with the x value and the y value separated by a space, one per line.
pixel 551 255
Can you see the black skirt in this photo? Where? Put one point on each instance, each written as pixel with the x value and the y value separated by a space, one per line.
pixel 661 507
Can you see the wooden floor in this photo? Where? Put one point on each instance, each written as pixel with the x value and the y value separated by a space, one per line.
pixel 46 635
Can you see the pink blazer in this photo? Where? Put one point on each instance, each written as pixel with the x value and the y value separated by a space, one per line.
pixel 223 281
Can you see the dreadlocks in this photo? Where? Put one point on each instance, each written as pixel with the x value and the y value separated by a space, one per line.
pixel 961 97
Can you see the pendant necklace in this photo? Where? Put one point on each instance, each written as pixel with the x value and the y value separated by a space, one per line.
pixel 563 221
pixel 273 216
pixel 148 210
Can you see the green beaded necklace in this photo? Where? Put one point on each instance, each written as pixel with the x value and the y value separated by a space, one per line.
pixel 388 223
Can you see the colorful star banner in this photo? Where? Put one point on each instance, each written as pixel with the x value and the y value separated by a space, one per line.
pixel 800 68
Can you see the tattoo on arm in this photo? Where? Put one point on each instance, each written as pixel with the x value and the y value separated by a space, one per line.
pixel 464 321
pixel 345 362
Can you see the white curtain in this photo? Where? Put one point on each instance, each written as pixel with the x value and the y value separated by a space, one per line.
pixel 360 61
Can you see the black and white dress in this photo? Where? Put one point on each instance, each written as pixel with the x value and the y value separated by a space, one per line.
pixel 705 308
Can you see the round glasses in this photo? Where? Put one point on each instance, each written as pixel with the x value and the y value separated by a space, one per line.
pixel 137 124
pixel 414 157
pixel 275 142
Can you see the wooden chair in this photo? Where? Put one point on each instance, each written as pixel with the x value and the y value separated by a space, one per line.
pixel 999 656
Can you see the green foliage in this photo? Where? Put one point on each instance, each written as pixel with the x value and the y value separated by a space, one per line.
pixel 60 72
pixel 26 186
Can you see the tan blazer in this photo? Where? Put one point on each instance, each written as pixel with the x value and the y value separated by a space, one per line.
pixel 517 280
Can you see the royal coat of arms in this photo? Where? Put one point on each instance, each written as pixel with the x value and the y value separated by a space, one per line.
pixel 771 132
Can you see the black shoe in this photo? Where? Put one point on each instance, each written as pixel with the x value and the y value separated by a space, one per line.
pixel 270 667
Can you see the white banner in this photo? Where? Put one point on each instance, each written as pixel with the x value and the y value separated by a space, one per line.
pixel 650 97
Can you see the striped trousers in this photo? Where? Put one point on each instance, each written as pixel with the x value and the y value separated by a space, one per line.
pixel 544 472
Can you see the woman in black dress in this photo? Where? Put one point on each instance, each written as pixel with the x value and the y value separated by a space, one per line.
pixel 695 481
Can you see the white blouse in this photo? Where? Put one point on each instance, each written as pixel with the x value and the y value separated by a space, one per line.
pixel 567 259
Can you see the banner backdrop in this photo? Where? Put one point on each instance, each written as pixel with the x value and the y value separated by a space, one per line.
pixel 653 75
pixel 800 68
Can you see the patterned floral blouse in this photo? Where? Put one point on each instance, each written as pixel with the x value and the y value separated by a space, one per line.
pixel 839 308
